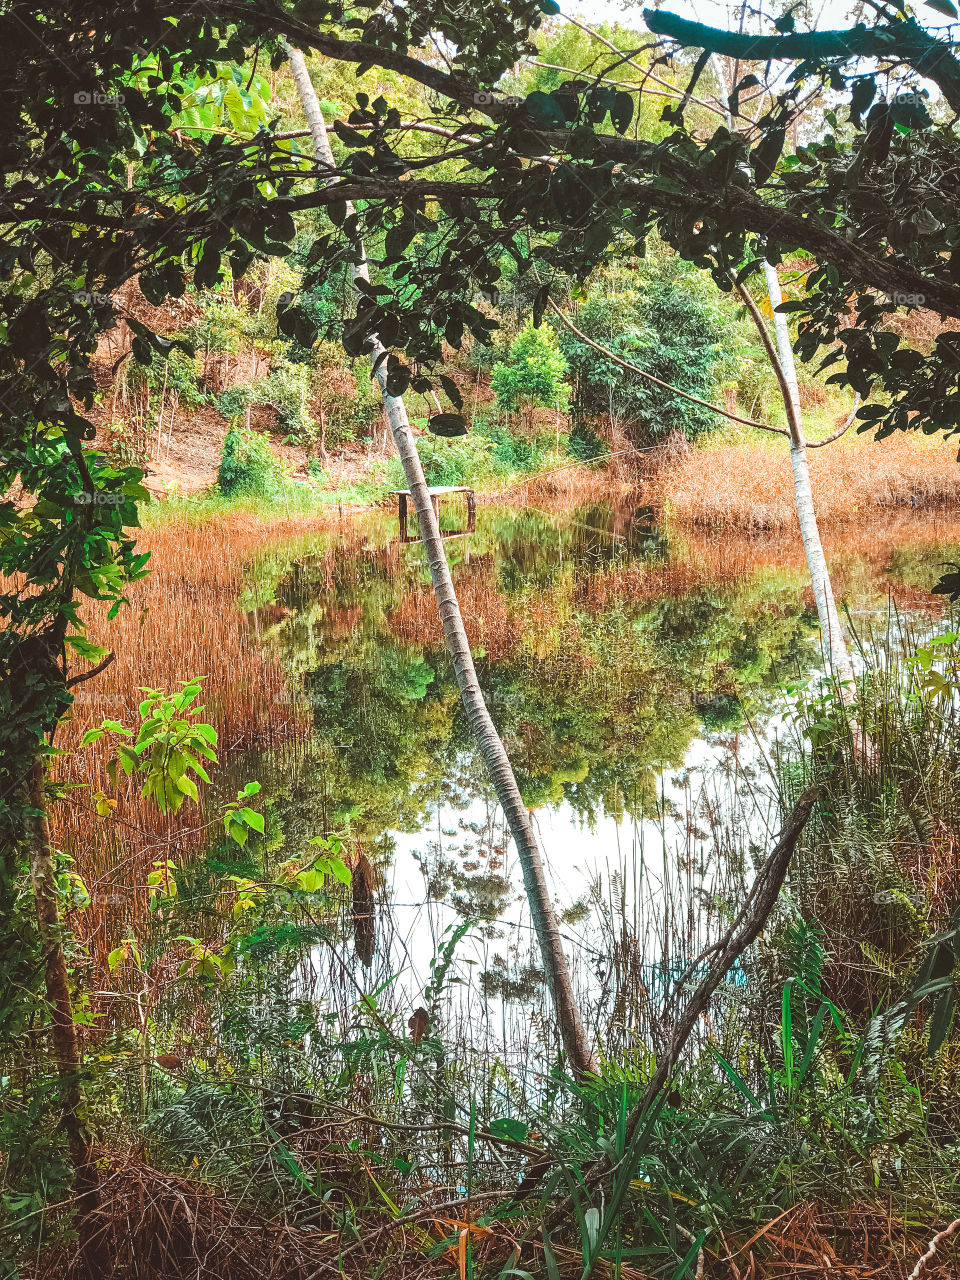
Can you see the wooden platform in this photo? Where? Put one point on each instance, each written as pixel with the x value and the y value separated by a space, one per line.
pixel 436 493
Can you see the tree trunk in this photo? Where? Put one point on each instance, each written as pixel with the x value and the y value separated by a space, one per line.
pixel 834 642
pixel 835 648
pixel 63 1029
pixel 572 1031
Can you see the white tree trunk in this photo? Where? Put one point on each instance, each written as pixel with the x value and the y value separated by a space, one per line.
pixel 545 923
pixel 834 642
pixel 836 653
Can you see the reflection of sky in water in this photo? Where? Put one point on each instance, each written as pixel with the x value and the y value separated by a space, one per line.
pixel 638 684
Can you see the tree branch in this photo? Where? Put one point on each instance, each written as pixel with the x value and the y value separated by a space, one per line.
pixel 818 444
pixel 905 41
pixel 94 671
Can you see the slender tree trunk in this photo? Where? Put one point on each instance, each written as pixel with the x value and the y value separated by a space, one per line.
pixel 572 1031
pixel 784 366
pixel 63 1028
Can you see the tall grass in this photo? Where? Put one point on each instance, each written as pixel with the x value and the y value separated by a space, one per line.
pixel 752 486
pixel 882 869
pixel 183 621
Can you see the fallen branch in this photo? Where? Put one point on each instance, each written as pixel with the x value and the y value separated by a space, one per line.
pixel 745 929
pixel 938 1239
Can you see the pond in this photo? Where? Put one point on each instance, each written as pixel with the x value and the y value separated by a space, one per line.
pixel 641 680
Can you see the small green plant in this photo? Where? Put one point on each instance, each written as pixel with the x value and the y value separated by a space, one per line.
pixel 166 748
pixel 533 377
pixel 248 466
pixel 239 819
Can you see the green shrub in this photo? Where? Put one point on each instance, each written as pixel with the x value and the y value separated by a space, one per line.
pixel 584 444
pixel 176 374
pixel 533 375
pixel 287 388
pixel 248 466
pixel 464 460
pixel 234 402
pixel 515 452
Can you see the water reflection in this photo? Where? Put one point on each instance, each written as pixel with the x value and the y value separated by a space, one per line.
pixel 598 674
pixel 634 675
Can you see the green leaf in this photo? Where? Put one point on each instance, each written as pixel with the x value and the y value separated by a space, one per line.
pixel 82 646
pixel 339 870
pixel 447 425
pixel 310 881
pixel 545 111
pixel 508 1127
pixel 252 819
pixel 621 113
pixel 188 787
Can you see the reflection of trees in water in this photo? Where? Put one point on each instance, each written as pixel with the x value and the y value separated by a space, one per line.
pixel 592 703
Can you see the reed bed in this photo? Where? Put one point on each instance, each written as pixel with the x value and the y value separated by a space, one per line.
pixel 752 487
pixel 183 621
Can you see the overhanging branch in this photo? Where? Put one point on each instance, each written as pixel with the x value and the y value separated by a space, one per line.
pixel 903 41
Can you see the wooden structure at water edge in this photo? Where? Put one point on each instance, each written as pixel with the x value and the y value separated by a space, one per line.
pixel 436 493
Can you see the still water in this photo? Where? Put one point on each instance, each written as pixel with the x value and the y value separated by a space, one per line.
pixel 642 682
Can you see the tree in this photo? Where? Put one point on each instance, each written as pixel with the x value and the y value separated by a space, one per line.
pixel 533 375
pixel 663 322
pixel 545 922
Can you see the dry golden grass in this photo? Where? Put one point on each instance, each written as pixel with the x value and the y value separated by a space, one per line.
pixel 752 486
pixel 183 621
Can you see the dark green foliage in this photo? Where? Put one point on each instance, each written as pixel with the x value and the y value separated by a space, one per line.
pixel 516 451
pixel 669 328
pixel 583 442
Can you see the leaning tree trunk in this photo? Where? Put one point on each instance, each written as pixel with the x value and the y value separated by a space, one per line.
pixel 572 1031
pixel 782 362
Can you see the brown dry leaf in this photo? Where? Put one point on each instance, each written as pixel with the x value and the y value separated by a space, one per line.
pixel 419 1025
